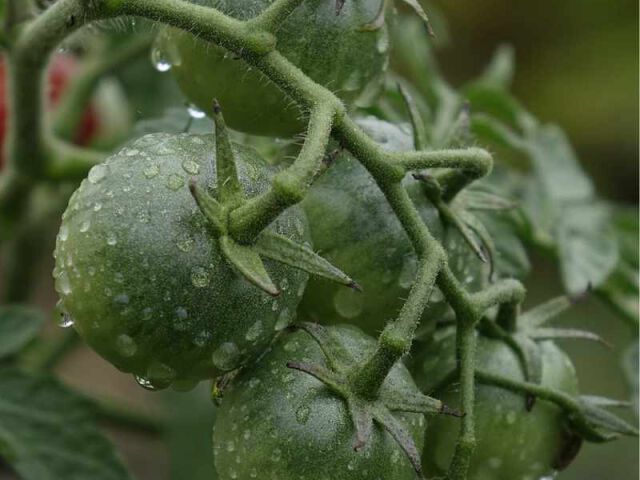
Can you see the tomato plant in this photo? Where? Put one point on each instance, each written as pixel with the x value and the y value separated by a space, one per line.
pixel 346 304
pixel 337 51
pixel 282 423
pixel 191 317
pixel 543 440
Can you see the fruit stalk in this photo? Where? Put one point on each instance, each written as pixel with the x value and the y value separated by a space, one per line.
pixel 257 47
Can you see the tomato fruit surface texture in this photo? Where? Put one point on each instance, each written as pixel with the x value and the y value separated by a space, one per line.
pixel 354 227
pixel 280 424
pixel 143 279
pixel 513 444
pixel 333 50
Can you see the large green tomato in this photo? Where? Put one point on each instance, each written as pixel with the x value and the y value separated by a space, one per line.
pixel 142 277
pixel 280 424
pixel 333 50
pixel 353 226
pixel 513 443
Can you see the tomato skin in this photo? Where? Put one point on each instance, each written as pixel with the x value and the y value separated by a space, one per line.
pixel 279 424
pixel 61 69
pixel 331 49
pixel 512 444
pixel 353 226
pixel 143 278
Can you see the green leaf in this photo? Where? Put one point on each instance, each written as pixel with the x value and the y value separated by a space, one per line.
pixel 587 247
pixel 510 259
pixel 18 326
pixel 621 289
pixel 248 262
pixel 281 249
pixel 566 333
pixel 541 314
pixel 47 432
pixel 421 13
pixel 630 368
pixel 604 420
pixel 499 73
pixel 556 165
pixel 420 136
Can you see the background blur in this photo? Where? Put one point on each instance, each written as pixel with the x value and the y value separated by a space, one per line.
pixel 577 65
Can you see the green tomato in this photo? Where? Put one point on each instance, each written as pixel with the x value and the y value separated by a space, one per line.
pixel 353 226
pixel 280 424
pixel 513 443
pixel 143 279
pixel 333 50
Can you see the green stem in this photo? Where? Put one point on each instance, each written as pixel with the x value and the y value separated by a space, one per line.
pixel 395 341
pixel 274 15
pixel 289 186
pixel 465 446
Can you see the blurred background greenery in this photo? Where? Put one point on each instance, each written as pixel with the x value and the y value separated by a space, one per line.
pixel 577 65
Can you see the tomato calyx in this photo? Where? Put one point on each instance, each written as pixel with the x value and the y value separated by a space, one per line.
pixel 247 259
pixel 366 411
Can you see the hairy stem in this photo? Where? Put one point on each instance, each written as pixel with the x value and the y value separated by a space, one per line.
pixel 289 186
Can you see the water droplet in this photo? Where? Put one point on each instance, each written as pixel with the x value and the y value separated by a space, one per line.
pixel 151 170
pixel 144 217
pixel 112 239
pixel 383 42
pixel 64 233
pixel 180 322
pixel 84 227
pixel 283 320
pixel 185 242
pixel 122 299
pixel 132 152
pixel 191 167
pixel 97 173
pixel 254 331
pixel 200 277
pixel 348 303
pixel 63 284
pixel 145 383
pixel 66 320
pixel 161 375
pixel 351 465
pixel 226 356
pixel 302 414
pixel 202 338
pixel 284 285
pixel 159 60
pixel 126 346
pixel 195 112
pixel 97 207
pixel 175 182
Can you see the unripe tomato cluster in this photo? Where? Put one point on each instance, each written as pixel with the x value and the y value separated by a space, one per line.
pixel 143 279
